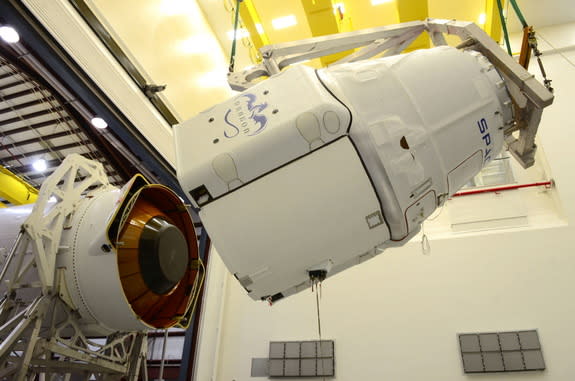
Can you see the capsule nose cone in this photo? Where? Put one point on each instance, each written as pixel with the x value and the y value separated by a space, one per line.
pixel 163 255
pixel 158 257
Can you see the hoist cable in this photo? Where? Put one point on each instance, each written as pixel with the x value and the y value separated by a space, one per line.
pixel 236 22
pixel 504 26
pixel 518 13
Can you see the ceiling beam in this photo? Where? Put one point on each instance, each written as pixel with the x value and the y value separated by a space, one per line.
pixel 7 75
pixel 12 84
pixel 36 126
pixel 19 94
pixel 28 168
pixel 23 170
pixel 109 172
pixel 414 10
pixel 21 106
pixel 24 117
pixel 46 137
pixel 46 150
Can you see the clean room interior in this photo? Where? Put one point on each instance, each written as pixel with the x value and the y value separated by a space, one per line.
pixel 488 262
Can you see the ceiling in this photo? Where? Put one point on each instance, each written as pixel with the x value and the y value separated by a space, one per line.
pixel 36 125
pixel 186 44
pixel 46 109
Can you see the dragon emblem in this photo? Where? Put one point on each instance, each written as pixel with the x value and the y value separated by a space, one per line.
pixel 246 116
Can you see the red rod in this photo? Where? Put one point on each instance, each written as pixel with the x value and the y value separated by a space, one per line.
pixel 499 189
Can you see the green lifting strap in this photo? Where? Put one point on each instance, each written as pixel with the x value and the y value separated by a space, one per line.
pixel 233 53
pixel 504 25
pixel 518 13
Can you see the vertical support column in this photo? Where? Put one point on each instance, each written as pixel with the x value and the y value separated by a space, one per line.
pixel 323 20
pixel 414 10
pixel 191 337
pixel 252 23
pixel 492 20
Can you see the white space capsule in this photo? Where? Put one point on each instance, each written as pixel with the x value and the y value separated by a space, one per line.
pixel 321 169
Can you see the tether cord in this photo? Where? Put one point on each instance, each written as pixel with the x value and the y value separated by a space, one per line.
pixel 504 26
pixel 233 53
pixel 320 356
pixel 518 13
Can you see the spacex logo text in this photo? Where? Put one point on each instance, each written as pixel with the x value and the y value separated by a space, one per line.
pixel 483 130
pixel 246 117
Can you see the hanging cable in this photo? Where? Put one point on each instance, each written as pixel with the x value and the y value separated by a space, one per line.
pixel 236 22
pixel 518 13
pixel 316 277
pixel 504 26
pixel 537 53
pixel 529 44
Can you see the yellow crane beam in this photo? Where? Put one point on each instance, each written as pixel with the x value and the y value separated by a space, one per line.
pixel 323 20
pixel 414 10
pixel 492 20
pixel 253 24
pixel 15 190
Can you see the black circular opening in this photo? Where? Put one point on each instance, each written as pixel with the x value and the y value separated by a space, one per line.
pixel 163 255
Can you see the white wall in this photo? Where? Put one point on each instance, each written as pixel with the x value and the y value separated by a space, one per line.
pixel 540 13
pixel 396 317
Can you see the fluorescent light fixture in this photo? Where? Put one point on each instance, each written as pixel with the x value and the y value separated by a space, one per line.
pixel 378 2
pixel 98 122
pixel 240 33
pixel 338 6
pixel 284 22
pixel 481 19
pixel 9 34
pixel 40 165
pixel 259 28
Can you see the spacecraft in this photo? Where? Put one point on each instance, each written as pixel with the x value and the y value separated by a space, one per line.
pixel 296 178
pixel 309 172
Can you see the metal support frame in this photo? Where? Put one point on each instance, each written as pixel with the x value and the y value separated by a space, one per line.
pixel 40 333
pixel 189 352
pixel 528 95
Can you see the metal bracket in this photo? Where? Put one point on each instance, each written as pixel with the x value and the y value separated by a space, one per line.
pixel 56 202
pixel 529 96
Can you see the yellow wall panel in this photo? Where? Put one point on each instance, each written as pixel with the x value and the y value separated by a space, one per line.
pixel 364 15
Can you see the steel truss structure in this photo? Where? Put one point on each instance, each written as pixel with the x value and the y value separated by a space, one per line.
pixel 40 333
pixel 528 95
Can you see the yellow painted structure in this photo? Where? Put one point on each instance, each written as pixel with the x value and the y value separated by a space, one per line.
pixel 251 20
pixel 492 20
pixel 15 190
pixel 323 20
pixel 414 10
pixel 178 47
